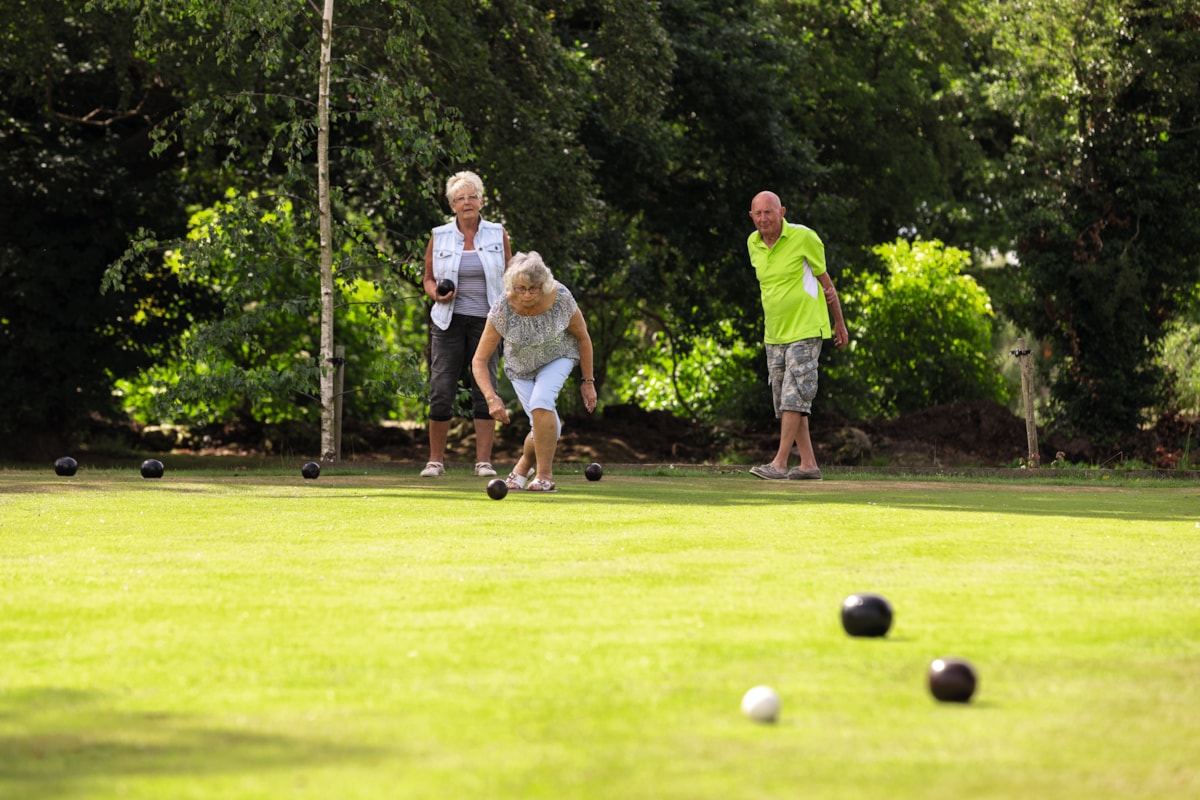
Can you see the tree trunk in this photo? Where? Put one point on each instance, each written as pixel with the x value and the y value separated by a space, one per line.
pixel 328 421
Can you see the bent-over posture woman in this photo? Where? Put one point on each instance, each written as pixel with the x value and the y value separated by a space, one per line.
pixel 544 337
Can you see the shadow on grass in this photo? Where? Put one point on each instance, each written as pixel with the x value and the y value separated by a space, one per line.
pixel 69 743
pixel 690 488
pixel 1118 503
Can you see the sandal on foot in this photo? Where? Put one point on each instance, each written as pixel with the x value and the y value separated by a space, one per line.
pixel 515 482
pixel 541 485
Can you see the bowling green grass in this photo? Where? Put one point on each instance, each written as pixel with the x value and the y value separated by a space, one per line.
pixel 370 634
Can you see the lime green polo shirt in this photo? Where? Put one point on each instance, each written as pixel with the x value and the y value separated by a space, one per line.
pixel 792 298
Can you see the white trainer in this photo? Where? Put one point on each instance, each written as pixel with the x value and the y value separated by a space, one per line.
pixel 434 469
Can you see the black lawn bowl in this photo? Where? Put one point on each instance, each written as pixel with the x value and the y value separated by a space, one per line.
pixel 952 680
pixel 593 472
pixel 445 287
pixel 867 615
pixel 311 470
pixel 152 468
pixel 65 466
pixel 497 489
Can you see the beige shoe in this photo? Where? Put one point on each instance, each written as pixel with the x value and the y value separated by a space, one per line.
pixel 768 473
pixel 434 469
pixel 797 474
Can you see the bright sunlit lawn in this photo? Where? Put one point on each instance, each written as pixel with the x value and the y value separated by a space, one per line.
pixel 375 635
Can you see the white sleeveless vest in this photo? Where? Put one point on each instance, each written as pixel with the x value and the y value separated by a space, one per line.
pixel 448 244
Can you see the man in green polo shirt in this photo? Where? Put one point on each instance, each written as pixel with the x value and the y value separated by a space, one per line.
pixel 798 297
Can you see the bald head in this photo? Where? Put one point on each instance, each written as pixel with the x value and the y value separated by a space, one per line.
pixel 769 198
pixel 767 213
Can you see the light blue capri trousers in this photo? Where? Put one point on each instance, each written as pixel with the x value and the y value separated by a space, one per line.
pixel 542 391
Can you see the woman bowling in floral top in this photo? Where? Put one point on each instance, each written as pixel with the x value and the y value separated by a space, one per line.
pixel 544 337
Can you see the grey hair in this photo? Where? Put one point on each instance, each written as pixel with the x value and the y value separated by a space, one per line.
pixel 530 267
pixel 460 179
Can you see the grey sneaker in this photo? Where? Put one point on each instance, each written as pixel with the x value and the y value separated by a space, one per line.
pixel 797 474
pixel 434 469
pixel 484 469
pixel 768 473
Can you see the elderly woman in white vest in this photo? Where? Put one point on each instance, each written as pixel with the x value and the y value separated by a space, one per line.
pixel 464 276
pixel 544 337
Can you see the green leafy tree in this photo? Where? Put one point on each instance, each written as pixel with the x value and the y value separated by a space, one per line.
pixel 1181 358
pixel 532 84
pixel 685 181
pixel 313 124
pixel 921 333
pixel 883 91
pixel 253 365
pixel 620 138
pixel 77 103
pixel 1102 183
pixel 665 255
pixel 702 379
pixel 516 77
pixel 854 114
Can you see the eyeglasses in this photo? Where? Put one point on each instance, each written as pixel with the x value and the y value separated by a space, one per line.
pixel 470 198
pixel 517 289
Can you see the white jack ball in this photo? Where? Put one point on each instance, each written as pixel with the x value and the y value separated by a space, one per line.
pixel 761 704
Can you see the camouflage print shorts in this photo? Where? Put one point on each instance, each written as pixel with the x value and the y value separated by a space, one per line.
pixel 793 374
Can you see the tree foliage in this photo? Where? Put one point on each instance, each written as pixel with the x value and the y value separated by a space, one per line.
pixel 883 91
pixel 271 123
pixel 923 333
pixel 256 361
pixel 703 380
pixel 853 115
pixel 77 104
pixel 1102 176
pixel 532 83
pixel 621 139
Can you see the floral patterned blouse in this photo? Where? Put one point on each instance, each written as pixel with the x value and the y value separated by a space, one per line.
pixel 531 343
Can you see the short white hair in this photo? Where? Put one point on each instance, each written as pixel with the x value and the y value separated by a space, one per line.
pixel 461 179
pixel 530 267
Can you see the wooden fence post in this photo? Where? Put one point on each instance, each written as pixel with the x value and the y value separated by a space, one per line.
pixel 1025 357
pixel 339 382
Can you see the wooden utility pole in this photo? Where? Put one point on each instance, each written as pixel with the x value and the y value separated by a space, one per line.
pixel 1025 356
